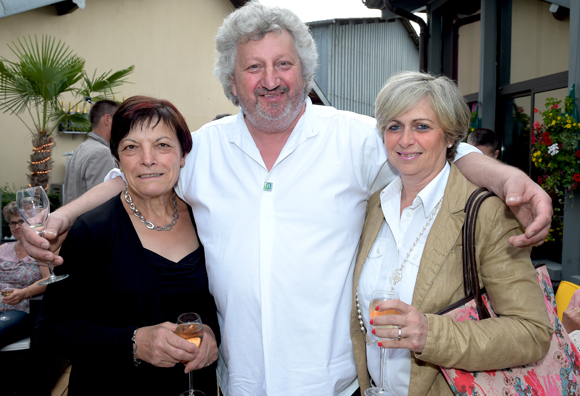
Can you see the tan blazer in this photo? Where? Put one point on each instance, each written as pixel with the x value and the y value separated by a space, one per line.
pixel 520 336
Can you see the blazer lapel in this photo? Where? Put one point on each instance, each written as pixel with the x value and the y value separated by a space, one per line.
pixel 442 236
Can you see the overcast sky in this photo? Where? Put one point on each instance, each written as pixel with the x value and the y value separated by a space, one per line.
pixel 319 10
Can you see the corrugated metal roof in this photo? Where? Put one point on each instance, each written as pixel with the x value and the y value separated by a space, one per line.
pixel 357 56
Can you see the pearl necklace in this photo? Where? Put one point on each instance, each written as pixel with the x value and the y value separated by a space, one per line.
pixel 149 224
pixel 397 274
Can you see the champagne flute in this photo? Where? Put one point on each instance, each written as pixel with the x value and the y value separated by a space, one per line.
pixel 34 208
pixel 5 293
pixel 377 297
pixel 190 328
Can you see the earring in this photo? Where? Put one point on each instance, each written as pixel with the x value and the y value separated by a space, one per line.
pixel 451 145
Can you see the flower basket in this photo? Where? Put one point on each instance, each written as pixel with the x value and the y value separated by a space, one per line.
pixel 556 155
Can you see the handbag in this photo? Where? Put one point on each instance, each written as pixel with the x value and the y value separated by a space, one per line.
pixel 556 374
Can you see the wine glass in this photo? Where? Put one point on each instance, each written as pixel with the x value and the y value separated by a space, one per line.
pixel 377 297
pixel 34 208
pixel 5 293
pixel 190 328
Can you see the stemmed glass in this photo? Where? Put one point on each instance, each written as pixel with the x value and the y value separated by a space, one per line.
pixel 34 208
pixel 5 293
pixel 377 297
pixel 190 328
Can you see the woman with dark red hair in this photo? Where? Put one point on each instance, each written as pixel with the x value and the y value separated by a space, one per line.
pixel 143 266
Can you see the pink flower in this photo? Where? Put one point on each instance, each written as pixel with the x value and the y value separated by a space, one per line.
pixel 555 106
pixel 537 125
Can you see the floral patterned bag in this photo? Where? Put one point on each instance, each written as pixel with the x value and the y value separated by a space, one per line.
pixel 558 373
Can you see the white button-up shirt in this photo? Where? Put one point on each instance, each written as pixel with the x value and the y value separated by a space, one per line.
pixel 280 247
pixel 394 241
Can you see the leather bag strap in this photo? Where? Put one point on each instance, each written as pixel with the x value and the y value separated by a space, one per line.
pixel 470 276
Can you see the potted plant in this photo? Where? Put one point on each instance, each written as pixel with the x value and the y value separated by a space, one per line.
pixel 34 85
pixel 556 155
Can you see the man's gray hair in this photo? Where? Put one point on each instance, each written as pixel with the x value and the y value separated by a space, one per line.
pixel 252 22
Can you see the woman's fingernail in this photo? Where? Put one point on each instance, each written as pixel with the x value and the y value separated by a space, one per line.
pixel 377 308
pixel 373 331
pixel 371 321
pixel 44 245
pixel 380 344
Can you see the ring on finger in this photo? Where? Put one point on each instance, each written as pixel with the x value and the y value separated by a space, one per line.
pixel 400 334
pixel 207 363
pixel 577 310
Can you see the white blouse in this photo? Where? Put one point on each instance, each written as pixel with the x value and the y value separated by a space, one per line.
pixel 396 237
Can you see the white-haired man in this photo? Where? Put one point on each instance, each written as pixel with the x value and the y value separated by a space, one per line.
pixel 279 195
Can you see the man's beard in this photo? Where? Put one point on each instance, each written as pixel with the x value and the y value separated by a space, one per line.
pixel 268 118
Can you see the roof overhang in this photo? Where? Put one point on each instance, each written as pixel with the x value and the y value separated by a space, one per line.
pixel 12 7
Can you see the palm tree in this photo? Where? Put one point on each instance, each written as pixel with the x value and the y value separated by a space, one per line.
pixel 35 84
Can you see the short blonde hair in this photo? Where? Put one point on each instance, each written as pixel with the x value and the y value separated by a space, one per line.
pixel 404 90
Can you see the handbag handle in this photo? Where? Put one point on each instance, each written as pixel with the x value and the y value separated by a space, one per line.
pixel 471 279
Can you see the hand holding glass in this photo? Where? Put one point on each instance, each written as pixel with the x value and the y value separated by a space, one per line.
pixel 190 328
pixel 377 297
pixel 34 208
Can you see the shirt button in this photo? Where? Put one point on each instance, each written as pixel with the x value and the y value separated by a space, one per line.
pixel 408 214
pixel 379 251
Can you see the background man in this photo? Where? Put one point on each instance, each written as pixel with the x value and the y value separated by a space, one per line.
pixel 92 160
pixel 485 140
pixel 279 195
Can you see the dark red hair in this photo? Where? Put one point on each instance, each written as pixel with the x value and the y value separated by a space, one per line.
pixel 139 111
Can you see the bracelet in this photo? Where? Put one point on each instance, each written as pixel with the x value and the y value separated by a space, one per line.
pixel 136 361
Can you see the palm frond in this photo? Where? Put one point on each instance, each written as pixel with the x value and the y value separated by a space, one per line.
pixel 106 82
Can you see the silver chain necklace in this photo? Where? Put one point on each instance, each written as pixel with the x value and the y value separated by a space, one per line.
pixel 397 274
pixel 149 224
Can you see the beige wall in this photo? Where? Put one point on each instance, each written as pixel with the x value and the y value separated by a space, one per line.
pixel 468 44
pixel 539 46
pixel 540 43
pixel 170 42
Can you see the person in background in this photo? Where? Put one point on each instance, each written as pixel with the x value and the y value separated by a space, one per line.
pixel 412 245
pixel 21 273
pixel 138 265
pixel 279 195
pixel 92 160
pixel 486 141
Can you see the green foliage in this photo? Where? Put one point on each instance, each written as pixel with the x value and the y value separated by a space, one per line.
pixel 35 83
pixel 556 155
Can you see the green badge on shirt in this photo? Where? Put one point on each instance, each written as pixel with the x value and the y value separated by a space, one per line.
pixel 268 186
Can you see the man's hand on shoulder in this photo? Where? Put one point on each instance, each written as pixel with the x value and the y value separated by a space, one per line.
pixel 532 207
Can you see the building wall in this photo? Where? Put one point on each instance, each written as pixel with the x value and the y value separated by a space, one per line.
pixel 170 42
pixel 357 56
pixel 539 46
pixel 540 43
pixel 469 45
